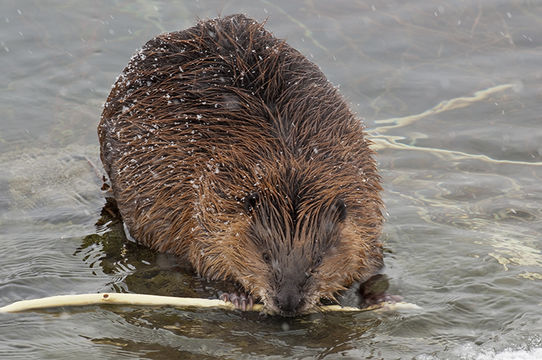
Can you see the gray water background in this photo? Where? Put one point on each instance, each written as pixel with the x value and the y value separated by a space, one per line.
pixel 462 179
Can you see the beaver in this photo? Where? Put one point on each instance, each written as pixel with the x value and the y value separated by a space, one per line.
pixel 229 148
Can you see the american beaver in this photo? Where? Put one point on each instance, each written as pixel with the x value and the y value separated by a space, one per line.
pixel 226 146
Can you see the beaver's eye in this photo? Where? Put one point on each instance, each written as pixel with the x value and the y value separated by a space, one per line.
pixel 251 201
pixel 266 257
pixel 340 207
pixel 318 261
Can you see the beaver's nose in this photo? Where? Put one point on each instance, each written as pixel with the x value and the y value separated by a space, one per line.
pixel 289 300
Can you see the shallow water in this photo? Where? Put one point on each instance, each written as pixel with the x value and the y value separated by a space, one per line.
pixel 462 180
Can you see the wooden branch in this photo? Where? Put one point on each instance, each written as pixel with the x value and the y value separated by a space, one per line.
pixel 154 300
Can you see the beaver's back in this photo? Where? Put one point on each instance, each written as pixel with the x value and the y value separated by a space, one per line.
pixel 208 112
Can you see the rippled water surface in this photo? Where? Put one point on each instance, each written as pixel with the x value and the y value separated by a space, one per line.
pixel 451 94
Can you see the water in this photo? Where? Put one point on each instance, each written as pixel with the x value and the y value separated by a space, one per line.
pixel 462 180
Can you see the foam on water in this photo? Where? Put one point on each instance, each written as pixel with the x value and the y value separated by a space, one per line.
pixel 474 352
pixel 470 353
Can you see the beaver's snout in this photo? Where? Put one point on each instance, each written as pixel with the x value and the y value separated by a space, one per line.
pixel 289 300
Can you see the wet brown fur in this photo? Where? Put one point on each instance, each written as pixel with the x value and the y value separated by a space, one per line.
pixel 226 146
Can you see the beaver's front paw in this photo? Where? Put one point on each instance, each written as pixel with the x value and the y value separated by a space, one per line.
pixel 382 298
pixel 241 301
pixel 374 291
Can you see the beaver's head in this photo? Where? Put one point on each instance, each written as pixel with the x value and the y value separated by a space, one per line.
pixel 289 233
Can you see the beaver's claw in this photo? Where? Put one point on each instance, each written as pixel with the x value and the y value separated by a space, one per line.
pixel 374 291
pixel 241 301
pixel 382 298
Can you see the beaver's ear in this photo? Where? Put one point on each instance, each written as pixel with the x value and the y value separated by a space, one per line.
pixel 251 201
pixel 339 207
